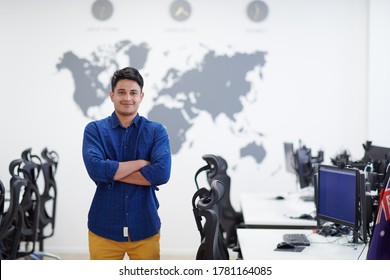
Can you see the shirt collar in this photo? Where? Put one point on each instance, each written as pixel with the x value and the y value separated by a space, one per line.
pixel 116 122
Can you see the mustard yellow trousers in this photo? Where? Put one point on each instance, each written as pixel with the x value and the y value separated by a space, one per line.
pixel 101 248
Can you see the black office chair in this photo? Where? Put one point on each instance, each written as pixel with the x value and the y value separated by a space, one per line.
pixel 23 178
pixel 207 213
pixel 34 166
pixel 47 216
pixel 5 230
pixel 216 169
pixel 2 200
pixel 12 222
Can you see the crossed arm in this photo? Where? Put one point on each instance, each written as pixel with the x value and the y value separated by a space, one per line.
pixel 128 172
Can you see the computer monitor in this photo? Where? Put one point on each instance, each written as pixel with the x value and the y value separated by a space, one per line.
pixel 341 199
pixel 303 167
pixel 306 165
pixel 378 156
pixel 289 157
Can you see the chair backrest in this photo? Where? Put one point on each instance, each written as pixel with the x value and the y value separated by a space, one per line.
pixel 207 216
pixel 230 218
pixel 218 171
pixel 31 167
pixel 23 178
pixel 35 166
pixel 48 196
pixel 12 222
pixel 2 200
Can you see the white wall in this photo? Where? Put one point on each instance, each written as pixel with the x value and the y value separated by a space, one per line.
pixel 379 71
pixel 314 88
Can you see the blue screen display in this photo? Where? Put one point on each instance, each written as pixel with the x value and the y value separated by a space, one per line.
pixel 337 195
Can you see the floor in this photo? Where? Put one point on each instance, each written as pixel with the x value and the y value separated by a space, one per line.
pixel 86 257
pixel 233 256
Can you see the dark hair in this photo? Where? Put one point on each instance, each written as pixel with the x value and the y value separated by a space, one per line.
pixel 128 73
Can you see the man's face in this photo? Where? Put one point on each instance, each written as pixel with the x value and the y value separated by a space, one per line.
pixel 127 97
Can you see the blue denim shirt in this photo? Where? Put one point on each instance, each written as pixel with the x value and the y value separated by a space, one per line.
pixel 115 204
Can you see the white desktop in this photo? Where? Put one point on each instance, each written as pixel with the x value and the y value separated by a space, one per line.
pixel 275 209
pixel 261 244
pixel 268 218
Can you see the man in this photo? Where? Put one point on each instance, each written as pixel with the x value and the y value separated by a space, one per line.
pixel 127 156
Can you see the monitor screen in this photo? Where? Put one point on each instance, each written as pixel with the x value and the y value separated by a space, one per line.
pixel 338 195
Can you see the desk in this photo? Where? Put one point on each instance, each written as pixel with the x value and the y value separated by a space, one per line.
pixel 264 211
pixel 259 244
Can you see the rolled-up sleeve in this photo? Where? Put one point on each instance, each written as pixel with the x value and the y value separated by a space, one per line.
pixel 159 171
pixel 99 168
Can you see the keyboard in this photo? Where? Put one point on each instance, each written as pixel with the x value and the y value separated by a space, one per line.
pixel 297 239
